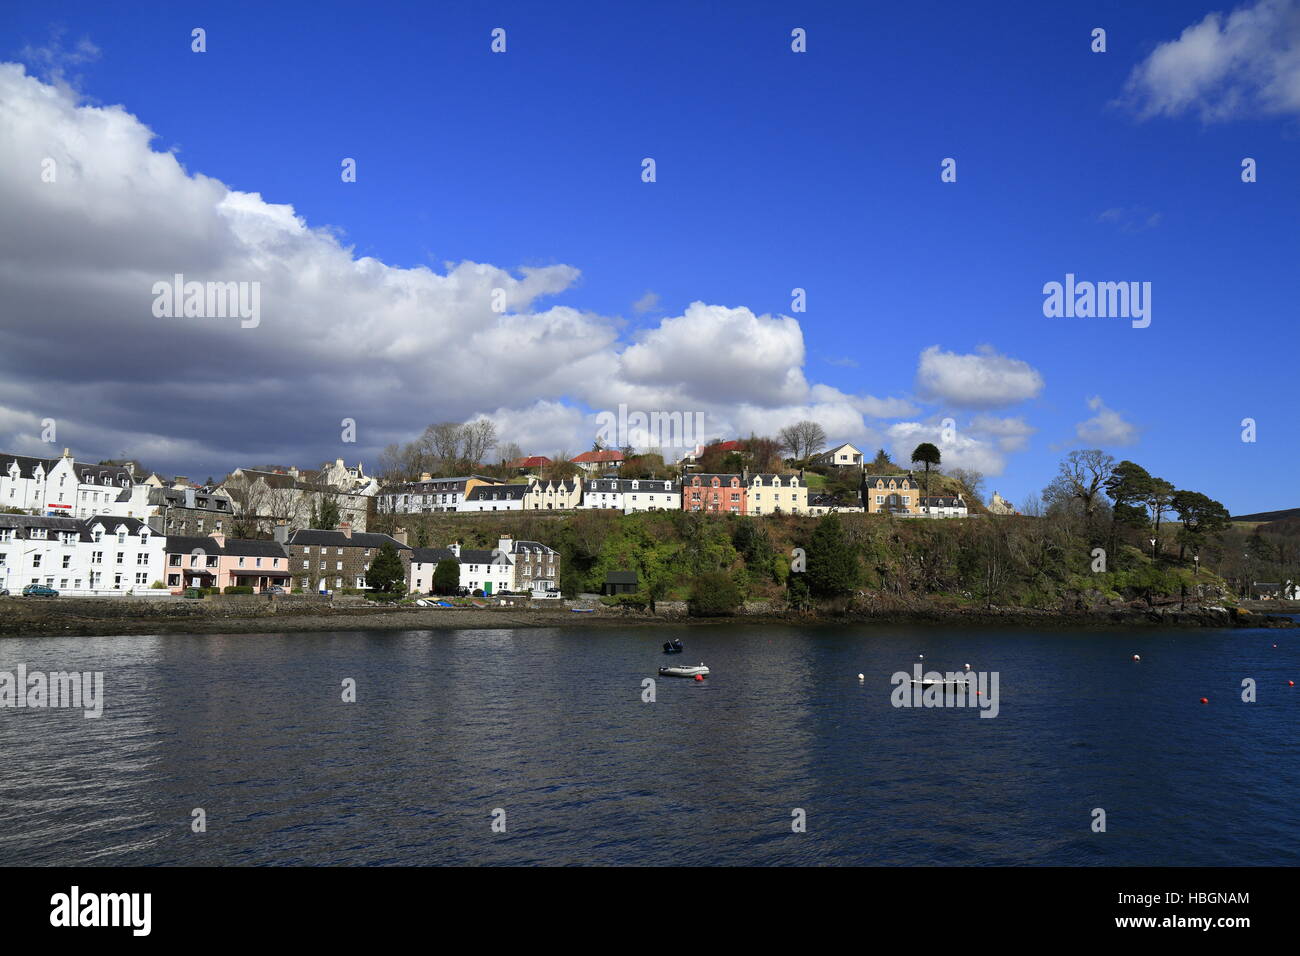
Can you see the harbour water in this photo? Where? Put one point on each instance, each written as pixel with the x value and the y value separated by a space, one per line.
pixel 550 726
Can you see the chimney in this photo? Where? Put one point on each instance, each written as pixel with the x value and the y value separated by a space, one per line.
pixel 219 538
pixel 189 497
pixel 399 534
pixel 346 528
pixel 425 476
pixel 280 533
pixel 505 544
pixel 293 471
pixel 338 462
pixel 454 548
pixel 181 482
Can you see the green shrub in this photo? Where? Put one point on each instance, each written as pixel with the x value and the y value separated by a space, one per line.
pixel 236 589
pixel 714 594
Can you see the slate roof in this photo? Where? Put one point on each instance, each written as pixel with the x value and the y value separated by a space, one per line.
pixel 311 537
pixel 235 547
pixel 498 493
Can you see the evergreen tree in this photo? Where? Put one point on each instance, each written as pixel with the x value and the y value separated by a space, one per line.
pixel 446 576
pixel 928 455
pixel 833 569
pixel 386 573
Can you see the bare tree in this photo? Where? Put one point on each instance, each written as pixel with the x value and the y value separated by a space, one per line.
pixel 478 438
pixel 803 439
pixel 972 481
pixel 1081 477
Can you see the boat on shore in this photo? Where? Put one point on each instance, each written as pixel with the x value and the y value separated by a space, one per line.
pixel 698 671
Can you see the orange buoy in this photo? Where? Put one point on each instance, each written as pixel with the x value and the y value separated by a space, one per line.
pixel 699 677
pixel 1205 700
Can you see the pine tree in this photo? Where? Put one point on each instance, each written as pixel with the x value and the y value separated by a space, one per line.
pixel 387 574
pixel 833 569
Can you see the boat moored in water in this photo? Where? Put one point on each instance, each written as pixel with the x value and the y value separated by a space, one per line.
pixel 699 670
pixel 674 646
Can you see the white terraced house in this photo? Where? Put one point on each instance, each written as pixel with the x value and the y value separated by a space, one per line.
pixel 495 498
pixel 98 556
pixel 842 456
pixel 632 494
pixel 429 494
pixel 61 486
pixel 944 506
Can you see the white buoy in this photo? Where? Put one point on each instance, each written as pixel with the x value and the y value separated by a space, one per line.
pixel 1137 657
pixel 861 677
pixel 920 657
pixel 966 667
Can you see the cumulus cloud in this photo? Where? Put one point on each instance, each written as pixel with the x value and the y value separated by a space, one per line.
pixel 1224 67
pixel 959 447
pixel 647 303
pixel 340 336
pixel 1107 427
pixel 981 379
pixel 1010 434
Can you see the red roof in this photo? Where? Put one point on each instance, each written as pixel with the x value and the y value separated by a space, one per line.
pixel 597 457
pixel 727 446
pixel 536 461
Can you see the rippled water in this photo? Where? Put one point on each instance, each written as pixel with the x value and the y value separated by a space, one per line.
pixel 550 726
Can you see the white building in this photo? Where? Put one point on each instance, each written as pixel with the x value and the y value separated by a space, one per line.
pixel 819 505
pixel 632 494
pixel 495 498
pixel 944 506
pixel 429 494
pixel 842 456
pixel 61 486
pixel 776 494
pixel 102 555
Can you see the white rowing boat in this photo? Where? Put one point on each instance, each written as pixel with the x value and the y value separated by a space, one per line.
pixel 683 671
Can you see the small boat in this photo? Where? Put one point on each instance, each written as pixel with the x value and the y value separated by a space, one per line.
pixel 941 683
pixel 700 670
pixel 583 610
pixel 673 647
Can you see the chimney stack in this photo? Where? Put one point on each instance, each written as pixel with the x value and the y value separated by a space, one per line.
pixel 219 538
pixel 181 483
pixel 425 476
pixel 454 548
pixel 346 528
pixel 280 533
pixel 399 535
pixel 505 544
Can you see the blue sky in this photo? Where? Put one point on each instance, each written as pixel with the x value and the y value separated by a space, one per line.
pixel 775 170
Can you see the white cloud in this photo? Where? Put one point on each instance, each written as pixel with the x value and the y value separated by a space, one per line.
pixel 339 337
pixel 1107 427
pixel 982 379
pixel 959 447
pixel 1011 434
pixel 1222 67
pixel 646 303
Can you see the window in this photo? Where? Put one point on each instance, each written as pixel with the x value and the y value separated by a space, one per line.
pixel 120 557
pixel 36 560
pixel 67 560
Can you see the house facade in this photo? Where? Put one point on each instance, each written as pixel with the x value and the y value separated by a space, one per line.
pixel 430 494
pixel 536 567
pixel 216 561
pixel 598 462
pixel 97 556
pixel 632 494
pixel 819 505
pixel 769 494
pixel 265 499
pixel 714 494
pixel 495 498
pixel 892 494
pixel 842 456
pixel 334 560
pixel 552 495
pixel 944 506
pixel 61 486
pixel 178 509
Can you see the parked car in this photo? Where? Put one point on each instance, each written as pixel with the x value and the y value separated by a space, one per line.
pixel 275 589
pixel 39 590
pixel 4 592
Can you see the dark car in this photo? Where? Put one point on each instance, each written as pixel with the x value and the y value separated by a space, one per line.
pixel 39 590
pixel 4 592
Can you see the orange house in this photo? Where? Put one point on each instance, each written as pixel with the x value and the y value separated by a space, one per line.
pixel 716 494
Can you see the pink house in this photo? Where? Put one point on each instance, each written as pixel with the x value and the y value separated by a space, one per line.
pixel 216 561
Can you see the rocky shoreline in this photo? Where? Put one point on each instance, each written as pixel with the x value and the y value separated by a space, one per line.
pixel 106 617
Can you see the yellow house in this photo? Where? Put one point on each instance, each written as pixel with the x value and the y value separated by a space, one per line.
pixel 895 494
pixel 776 494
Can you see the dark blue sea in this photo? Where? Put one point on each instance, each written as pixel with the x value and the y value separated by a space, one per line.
pixel 550 727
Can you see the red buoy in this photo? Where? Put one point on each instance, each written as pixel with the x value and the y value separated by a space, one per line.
pixel 1290 683
pixel 1205 700
pixel 699 677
